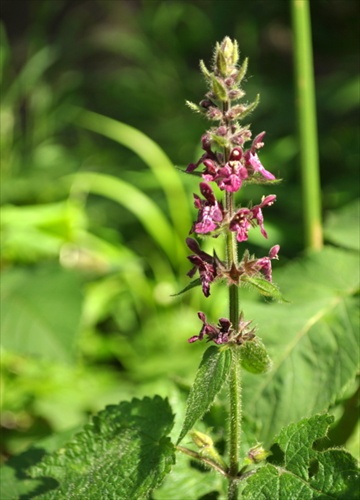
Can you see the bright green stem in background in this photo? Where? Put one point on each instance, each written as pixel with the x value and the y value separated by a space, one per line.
pixel 305 89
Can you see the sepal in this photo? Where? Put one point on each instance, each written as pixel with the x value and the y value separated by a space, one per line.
pixel 206 447
pixel 242 71
pixel 195 107
pixel 250 108
pixel 219 89
pixel 204 70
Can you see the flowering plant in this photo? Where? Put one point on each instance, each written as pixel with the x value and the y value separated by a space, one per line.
pixel 127 450
pixel 230 165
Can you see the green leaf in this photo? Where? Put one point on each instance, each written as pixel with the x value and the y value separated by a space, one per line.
pixel 297 471
pixel 15 482
pixel 123 453
pixel 40 311
pixel 342 226
pixel 313 341
pixel 264 287
pixel 210 377
pixel 254 357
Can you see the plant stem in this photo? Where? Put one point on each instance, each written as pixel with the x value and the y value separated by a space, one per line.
pixel 305 89
pixel 235 423
pixel 235 376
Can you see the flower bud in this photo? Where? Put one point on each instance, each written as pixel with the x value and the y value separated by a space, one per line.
pixel 201 440
pixel 257 454
pixel 207 449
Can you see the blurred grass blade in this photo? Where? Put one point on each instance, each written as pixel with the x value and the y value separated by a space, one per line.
pixel 30 74
pixel 136 202
pixel 152 155
pixel 305 89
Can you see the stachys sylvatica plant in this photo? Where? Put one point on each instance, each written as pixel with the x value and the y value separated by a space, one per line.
pixel 127 450
pixel 230 162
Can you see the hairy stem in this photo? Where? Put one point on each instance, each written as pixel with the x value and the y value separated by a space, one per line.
pixel 235 380
pixel 235 423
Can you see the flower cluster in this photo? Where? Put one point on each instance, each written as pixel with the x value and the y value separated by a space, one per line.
pixel 223 333
pixel 241 165
pixel 229 165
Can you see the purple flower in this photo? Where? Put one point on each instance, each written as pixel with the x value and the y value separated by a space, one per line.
pixel 231 176
pixel 263 265
pixel 203 263
pixel 240 223
pixel 218 334
pixel 257 212
pixel 210 211
pixel 257 166
pixel 253 162
pixel 248 217
pixel 208 155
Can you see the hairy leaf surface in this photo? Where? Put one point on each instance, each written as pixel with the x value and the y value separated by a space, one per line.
pixel 297 471
pixel 123 453
pixel 210 377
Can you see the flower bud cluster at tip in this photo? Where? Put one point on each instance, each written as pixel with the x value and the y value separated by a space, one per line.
pixel 230 165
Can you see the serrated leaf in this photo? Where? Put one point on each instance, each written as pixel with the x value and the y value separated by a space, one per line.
pixel 297 471
pixel 313 341
pixel 209 379
pixel 123 453
pixel 40 311
pixel 254 357
pixel 191 285
pixel 264 287
pixel 15 482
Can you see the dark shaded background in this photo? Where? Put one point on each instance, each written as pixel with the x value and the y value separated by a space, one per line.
pixel 138 61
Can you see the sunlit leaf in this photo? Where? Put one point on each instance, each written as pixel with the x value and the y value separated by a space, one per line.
pixel 297 471
pixel 123 453
pixel 210 377
pixel 313 341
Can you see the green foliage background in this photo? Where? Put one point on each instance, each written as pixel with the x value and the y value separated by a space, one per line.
pixel 95 212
